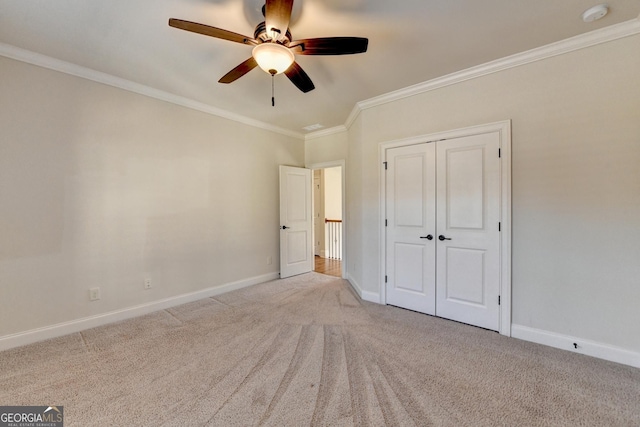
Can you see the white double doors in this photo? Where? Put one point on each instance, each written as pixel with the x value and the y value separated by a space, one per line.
pixel 442 203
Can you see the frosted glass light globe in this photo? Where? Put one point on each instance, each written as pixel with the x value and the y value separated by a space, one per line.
pixel 273 58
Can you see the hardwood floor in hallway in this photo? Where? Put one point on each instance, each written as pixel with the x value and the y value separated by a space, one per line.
pixel 331 267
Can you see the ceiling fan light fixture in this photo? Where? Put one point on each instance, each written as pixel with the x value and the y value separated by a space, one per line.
pixel 273 58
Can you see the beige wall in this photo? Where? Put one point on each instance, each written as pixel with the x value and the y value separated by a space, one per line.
pixel 102 187
pixel 576 184
pixel 326 149
pixel 333 193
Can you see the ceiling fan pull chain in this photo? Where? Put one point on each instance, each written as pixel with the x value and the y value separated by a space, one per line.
pixel 273 97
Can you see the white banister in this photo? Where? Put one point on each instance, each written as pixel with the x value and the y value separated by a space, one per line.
pixel 333 238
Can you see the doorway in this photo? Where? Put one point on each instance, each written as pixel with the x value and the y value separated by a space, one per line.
pixel 328 224
pixel 298 218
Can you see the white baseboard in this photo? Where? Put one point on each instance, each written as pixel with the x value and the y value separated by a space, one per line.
pixel 73 326
pixel 552 339
pixel 365 295
pixel 354 284
pixel 370 296
pixel 565 342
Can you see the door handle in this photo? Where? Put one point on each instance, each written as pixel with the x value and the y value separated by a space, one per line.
pixel 428 237
pixel 441 238
pixel 284 227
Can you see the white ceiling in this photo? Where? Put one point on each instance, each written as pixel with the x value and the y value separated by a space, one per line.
pixel 410 41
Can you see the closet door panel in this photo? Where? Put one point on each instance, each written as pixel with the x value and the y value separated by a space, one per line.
pixel 468 245
pixel 410 217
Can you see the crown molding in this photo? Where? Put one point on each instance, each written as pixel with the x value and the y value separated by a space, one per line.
pixel 603 35
pixel 50 63
pixel 353 116
pixel 325 132
pixel 336 129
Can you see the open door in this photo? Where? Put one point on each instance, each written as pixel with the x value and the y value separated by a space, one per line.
pixel 296 223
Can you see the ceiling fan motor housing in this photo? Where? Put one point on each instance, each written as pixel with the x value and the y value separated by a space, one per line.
pixel 260 33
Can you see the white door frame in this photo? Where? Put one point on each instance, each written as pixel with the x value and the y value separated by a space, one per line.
pixel 504 129
pixel 342 165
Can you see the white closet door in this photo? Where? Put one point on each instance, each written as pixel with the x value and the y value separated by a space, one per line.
pixel 468 213
pixel 410 216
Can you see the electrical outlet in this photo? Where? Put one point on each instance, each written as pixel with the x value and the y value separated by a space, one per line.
pixel 147 283
pixel 94 294
pixel 269 260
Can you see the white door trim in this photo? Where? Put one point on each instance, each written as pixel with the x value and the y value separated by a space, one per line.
pixel 504 129
pixel 345 225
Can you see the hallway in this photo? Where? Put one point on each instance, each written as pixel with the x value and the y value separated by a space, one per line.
pixel 331 267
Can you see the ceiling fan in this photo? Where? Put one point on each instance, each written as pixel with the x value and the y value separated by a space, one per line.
pixel 274 49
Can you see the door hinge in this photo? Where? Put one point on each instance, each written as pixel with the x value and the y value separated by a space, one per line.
pixel 498 299
pixel 499 226
pixel 385 279
pixel 499 152
pixel 385 165
pixel 386 223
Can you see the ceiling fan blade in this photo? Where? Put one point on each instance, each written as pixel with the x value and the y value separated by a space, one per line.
pixel 239 71
pixel 330 46
pixel 277 15
pixel 211 31
pixel 299 78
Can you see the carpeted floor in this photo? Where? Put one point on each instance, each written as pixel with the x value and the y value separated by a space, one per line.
pixel 306 351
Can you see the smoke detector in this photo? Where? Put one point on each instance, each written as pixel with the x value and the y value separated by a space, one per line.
pixel 595 13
